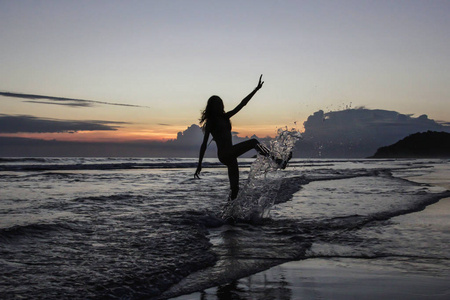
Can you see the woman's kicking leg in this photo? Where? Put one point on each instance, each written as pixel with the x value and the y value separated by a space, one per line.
pixel 240 148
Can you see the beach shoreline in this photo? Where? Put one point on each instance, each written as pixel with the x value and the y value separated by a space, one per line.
pixel 319 278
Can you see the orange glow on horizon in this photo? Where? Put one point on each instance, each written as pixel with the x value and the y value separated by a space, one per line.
pixel 157 134
pixel 88 136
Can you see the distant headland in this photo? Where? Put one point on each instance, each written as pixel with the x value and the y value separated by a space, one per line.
pixel 430 144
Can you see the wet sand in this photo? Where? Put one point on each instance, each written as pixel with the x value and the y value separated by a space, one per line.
pixel 350 278
pixel 331 279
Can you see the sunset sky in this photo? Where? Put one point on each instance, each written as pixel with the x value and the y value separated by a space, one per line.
pixel 147 68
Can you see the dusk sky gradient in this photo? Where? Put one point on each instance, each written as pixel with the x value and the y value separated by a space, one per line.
pixel 166 58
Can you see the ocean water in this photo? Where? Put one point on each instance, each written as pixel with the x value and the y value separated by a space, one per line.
pixel 144 228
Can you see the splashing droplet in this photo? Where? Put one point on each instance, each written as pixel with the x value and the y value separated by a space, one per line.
pixel 258 194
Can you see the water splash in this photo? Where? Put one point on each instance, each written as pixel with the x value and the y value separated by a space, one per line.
pixel 259 192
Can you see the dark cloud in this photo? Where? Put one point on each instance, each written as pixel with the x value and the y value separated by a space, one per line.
pixel 61 100
pixel 193 135
pixel 72 104
pixel 358 132
pixel 30 124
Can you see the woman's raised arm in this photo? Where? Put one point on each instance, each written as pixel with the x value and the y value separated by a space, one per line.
pixel 245 100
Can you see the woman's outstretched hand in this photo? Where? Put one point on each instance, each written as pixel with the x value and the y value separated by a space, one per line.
pixel 260 83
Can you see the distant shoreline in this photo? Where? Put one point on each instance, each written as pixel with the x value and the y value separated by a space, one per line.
pixel 430 144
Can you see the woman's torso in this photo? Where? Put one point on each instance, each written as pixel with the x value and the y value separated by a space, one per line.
pixel 220 129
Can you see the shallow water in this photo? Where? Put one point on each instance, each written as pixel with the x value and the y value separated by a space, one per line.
pixel 99 227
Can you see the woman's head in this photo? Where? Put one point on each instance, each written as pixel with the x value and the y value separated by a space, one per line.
pixel 214 108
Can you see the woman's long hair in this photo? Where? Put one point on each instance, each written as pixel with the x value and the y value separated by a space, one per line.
pixel 214 108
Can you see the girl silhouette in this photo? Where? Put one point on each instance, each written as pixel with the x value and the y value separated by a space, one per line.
pixel 215 121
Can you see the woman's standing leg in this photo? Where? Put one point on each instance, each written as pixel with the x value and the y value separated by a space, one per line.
pixel 233 175
pixel 232 164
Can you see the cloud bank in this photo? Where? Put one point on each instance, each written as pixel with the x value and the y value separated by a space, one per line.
pixel 358 132
pixel 30 124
